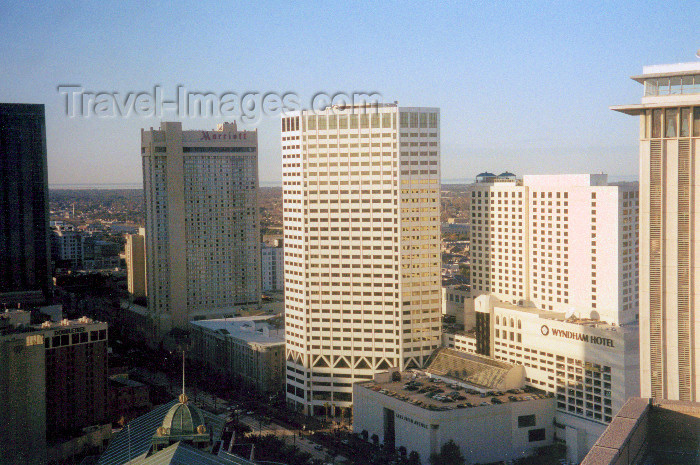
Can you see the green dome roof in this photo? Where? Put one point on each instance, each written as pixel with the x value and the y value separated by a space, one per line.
pixel 183 419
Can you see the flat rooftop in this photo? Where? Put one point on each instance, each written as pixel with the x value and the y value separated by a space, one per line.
pixel 561 316
pixel 558 181
pixel 667 70
pixel 124 381
pixel 430 393
pixel 263 329
pixel 650 431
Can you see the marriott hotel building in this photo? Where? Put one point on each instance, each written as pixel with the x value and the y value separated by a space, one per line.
pixel 202 224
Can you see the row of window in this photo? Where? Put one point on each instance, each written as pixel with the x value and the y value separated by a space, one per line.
pixel 676 85
pixel 672 122
pixel 76 338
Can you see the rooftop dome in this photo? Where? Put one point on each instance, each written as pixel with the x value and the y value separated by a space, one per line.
pixel 183 419
pixel 506 174
pixel 485 174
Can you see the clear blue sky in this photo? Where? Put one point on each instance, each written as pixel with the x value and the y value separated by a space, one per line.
pixel 522 86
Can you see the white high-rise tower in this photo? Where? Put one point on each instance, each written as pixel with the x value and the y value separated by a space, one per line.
pixel 361 190
pixel 564 242
pixel 669 279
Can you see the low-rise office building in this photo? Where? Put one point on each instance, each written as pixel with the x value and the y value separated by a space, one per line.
pixel 77 249
pixel 67 247
pixel 458 392
pixel 250 347
pixel 127 398
pixel 591 366
pixel 458 302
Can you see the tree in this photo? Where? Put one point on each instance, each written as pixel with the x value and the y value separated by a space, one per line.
pixel 402 451
pixel 449 455
pixel 241 429
pixel 414 458
pixel 464 271
pixel 365 434
pixel 375 439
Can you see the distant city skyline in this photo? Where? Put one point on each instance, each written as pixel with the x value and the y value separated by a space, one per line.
pixel 139 185
pixel 519 90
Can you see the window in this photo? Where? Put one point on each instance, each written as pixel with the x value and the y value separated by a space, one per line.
pixel 656 123
pixel 536 435
pixel 671 122
pixel 525 421
pixel 432 118
pixel 386 120
pixel 685 122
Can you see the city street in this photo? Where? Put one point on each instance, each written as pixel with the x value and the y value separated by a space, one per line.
pixel 304 444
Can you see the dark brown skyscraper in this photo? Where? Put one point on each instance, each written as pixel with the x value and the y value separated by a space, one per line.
pixel 25 271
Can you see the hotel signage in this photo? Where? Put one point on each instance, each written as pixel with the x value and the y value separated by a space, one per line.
pixel 588 338
pixel 79 329
pixel 219 135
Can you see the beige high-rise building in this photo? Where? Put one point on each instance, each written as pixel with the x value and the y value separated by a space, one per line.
pixel 361 190
pixel 669 226
pixel 202 223
pixel 566 243
pixel 135 251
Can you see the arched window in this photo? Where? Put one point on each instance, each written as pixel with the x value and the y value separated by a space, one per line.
pixel 512 323
pixel 498 320
pixel 520 325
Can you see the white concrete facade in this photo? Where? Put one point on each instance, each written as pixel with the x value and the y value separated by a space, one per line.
pixel 69 245
pixel 591 367
pixel 272 263
pixel 457 301
pixel 202 222
pixel 559 241
pixel 361 189
pixel 484 433
pixel 669 173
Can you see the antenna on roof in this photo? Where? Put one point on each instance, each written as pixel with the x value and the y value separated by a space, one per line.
pixel 183 372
